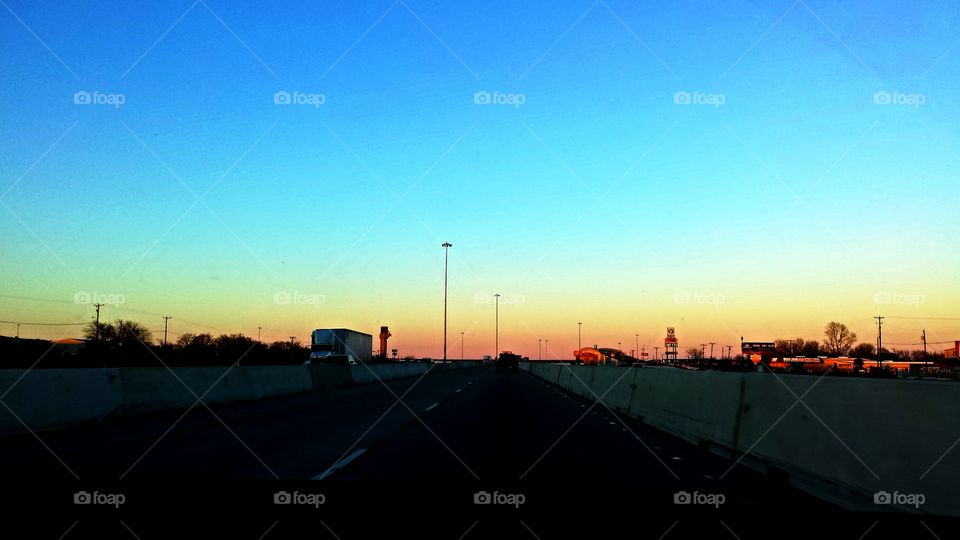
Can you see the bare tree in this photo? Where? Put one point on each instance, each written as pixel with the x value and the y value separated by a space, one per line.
pixel 838 338
pixel 119 331
pixel 694 353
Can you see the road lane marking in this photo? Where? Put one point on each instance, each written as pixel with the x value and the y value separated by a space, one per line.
pixel 459 389
pixel 430 407
pixel 340 464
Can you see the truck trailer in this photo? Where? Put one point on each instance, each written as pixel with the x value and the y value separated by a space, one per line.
pixel 340 345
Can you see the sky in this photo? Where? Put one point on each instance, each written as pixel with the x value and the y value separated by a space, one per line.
pixel 751 169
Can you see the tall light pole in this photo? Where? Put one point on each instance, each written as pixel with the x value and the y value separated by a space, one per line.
pixel 637 336
pixel 546 347
pixel 446 252
pixel 259 328
pixel 656 353
pixel 497 341
pixel 539 349
pixel 461 346
pixel 579 327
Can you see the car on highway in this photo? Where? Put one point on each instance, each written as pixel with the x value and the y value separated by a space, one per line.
pixel 508 362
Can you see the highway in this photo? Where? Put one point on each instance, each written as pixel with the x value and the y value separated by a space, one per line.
pixel 469 430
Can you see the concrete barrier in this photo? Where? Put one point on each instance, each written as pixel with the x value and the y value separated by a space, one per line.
pixel 49 398
pixel 42 398
pixel 848 440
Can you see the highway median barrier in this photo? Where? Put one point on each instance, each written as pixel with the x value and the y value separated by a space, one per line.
pixel 43 399
pixel 864 444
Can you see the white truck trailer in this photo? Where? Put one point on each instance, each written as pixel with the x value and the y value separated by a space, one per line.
pixel 340 345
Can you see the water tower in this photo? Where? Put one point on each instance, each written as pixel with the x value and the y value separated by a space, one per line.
pixel 670 345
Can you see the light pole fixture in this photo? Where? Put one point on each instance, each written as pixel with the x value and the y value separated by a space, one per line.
pixel 446 252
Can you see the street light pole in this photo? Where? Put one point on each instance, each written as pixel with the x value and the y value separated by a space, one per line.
pixel 497 341
pixel 546 347
pixel 539 349
pixel 637 336
pixel 446 252
pixel 461 346
pixel 579 327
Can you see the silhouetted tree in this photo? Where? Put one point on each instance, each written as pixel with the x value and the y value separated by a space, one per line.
pixel 838 338
pixel 694 353
pixel 119 332
pixel 789 347
pixel 811 348
pixel 862 350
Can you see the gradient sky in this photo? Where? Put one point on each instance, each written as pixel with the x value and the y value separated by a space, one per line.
pixel 797 201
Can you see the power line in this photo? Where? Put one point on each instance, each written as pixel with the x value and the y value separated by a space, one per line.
pixel 924 318
pixel 44 324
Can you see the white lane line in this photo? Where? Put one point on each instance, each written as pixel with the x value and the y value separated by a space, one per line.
pixel 459 389
pixel 340 464
pixel 430 407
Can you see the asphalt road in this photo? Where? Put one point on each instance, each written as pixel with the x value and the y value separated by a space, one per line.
pixel 457 433
pixel 471 426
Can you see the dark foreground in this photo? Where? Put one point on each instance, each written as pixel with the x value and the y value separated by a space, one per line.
pixel 466 454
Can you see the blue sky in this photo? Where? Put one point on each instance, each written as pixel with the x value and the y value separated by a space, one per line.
pixel 798 163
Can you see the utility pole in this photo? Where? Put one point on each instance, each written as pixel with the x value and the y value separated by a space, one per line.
pixel 637 337
pixel 546 347
pixel 497 341
pixel 165 319
pixel 879 341
pixel 924 338
pixel 656 353
pixel 18 330
pixel 729 353
pixel 446 252
pixel 259 328
pixel 96 328
pixel 711 349
pixel 703 347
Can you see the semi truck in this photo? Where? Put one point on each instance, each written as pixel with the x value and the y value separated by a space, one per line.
pixel 340 345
